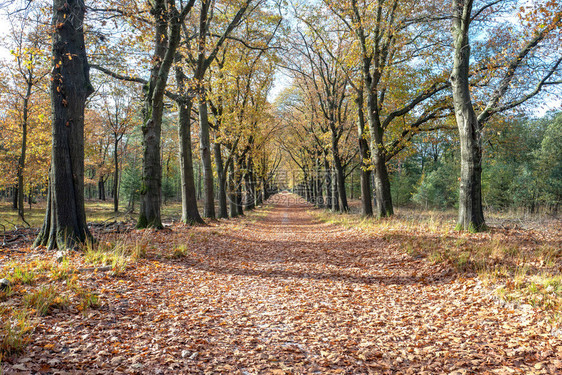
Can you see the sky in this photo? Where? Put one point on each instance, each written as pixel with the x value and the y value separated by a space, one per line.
pixel 4 29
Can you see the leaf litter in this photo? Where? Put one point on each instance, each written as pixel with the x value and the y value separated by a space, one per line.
pixel 287 294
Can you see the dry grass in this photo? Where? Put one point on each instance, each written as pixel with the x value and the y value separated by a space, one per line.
pixel 521 258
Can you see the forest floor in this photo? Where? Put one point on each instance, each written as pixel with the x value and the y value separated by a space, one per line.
pixel 277 292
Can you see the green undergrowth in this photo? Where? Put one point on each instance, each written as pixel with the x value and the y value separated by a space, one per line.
pixel 523 267
pixel 44 287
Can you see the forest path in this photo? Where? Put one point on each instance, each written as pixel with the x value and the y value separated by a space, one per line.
pixel 284 293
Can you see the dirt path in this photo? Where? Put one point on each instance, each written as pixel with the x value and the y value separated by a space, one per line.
pixel 286 294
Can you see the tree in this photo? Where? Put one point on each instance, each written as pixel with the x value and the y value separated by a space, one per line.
pixel 240 80
pixel 120 115
pixel 27 71
pixel 65 218
pixel 400 96
pixel 470 125
pixel 328 84
pixel 206 53
pixel 168 20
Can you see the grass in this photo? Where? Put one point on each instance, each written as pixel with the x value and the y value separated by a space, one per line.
pixel 523 266
pixel 96 211
pixel 107 254
pixel 257 214
pixel 44 300
pixel 179 252
pixel 117 254
pixel 87 299
pixel 14 333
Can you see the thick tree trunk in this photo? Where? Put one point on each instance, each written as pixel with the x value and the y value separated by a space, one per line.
pixel 101 189
pixel 471 215
pixel 340 177
pixel 205 144
pixel 250 184
pixel 311 188
pixel 351 189
pixel 382 182
pixel 335 191
pixel 240 198
pixel 65 218
pixel 167 38
pixel 366 196
pixel 223 209
pixel 189 212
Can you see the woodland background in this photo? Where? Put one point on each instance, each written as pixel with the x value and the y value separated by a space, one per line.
pixel 305 50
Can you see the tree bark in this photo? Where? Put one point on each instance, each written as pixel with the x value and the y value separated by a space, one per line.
pixel 116 174
pixel 335 192
pixel 15 196
pixel 223 209
pixel 167 38
pixel 190 212
pixel 319 188
pixel 238 178
pixel 250 184
pixel 232 191
pixel 205 145
pixel 366 196
pixel 101 189
pixel 340 177
pixel 65 219
pixel 21 160
pixel 328 183
pixel 471 214
pixel 382 182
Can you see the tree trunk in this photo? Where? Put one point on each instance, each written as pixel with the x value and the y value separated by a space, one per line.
pixel 265 190
pixel 382 182
pixel 65 218
pixel 366 196
pixel 335 192
pixel 116 175
pixel 199 181
pixel 190 212
pixel 167 38
pixel 250 185
pixel 223 209
pixel 21 161
pixel 340 177
pixel 205 144
pixel 232 191
pixel 471 214
pixel 238 187
pixel 15 196
pixel 319 187
pixel 328 179
pixel 101 189
pixel 351 188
